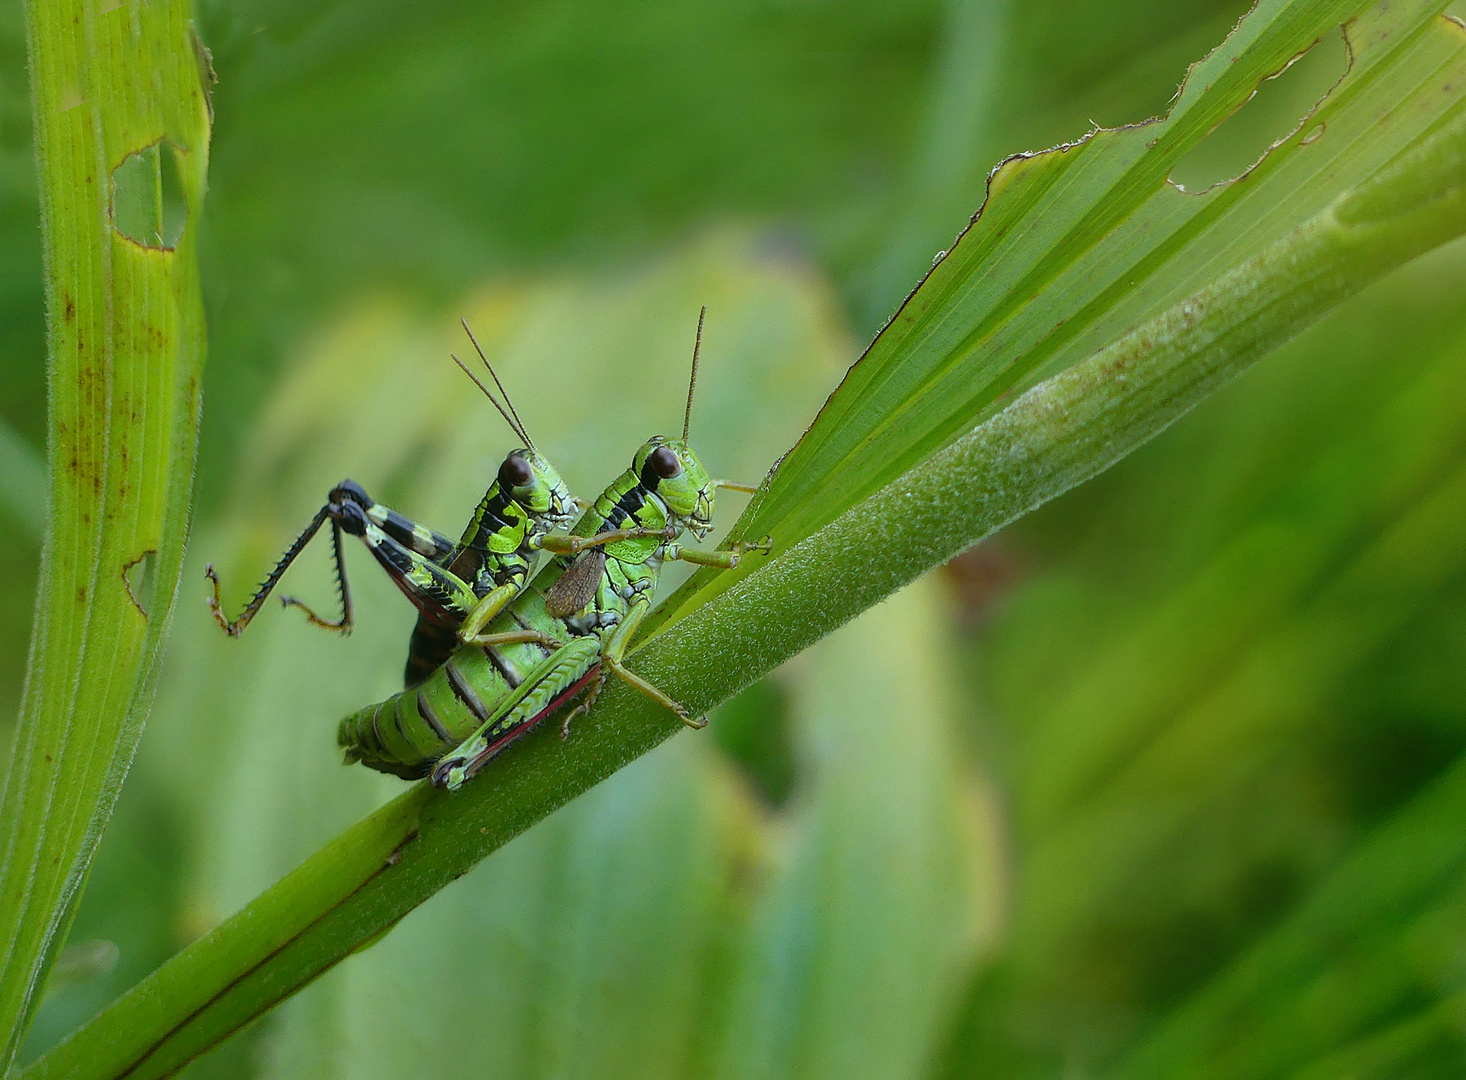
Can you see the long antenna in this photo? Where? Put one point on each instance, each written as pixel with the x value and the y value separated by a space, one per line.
pixel 522 432
pixel 512 425
pixel 692 383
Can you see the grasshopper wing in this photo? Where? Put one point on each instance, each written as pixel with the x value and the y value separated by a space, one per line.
pixel 577 586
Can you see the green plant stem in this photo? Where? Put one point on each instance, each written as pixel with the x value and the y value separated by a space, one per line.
pixel 126 343
pixel 1055 436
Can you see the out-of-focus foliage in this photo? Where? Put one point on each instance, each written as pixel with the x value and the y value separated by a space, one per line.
pixel 1228 707
pixel 1221 700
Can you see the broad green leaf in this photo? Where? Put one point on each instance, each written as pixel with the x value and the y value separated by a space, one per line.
pixel 1057 434
pixel 1077 246
pixel 121 131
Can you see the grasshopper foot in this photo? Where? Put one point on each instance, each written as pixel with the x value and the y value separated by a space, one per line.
pixel 592 692
pixel 216 604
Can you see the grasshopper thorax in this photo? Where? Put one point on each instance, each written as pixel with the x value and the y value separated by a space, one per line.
pixel 669 469
pixel 532 482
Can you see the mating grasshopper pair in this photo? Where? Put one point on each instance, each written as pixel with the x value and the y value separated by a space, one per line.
pixel 494 653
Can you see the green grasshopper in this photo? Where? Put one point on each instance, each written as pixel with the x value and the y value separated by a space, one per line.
pixel 563 633
pixel 452 585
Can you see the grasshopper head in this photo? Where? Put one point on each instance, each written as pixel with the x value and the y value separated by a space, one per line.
pixel 533 483
pixel 671 469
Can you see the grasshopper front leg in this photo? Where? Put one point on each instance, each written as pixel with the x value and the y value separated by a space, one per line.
pixel 493 602
pixel 574 545
pixel 718 560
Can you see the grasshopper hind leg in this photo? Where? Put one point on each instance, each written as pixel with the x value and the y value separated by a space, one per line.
pixel 235 627
pixel 615 652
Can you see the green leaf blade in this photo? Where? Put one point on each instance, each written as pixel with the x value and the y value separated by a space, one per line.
pixel 126 345
pixel 1079 245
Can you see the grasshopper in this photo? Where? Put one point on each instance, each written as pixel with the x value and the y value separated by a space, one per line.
pixel 447 582
pixel 561 636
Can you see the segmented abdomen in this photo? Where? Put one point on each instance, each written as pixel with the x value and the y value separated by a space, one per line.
pixel 409 731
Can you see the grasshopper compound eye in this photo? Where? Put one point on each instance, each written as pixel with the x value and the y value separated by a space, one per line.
pixel 664 463
pixel 515 472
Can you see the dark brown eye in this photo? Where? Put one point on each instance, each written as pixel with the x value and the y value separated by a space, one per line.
pixel 664 462
pixel 515 472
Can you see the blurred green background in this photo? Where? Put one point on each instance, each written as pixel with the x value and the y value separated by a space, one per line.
pixel 1166 780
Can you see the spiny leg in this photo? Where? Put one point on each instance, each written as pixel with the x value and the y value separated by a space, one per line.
pixel 350 506
pixel 343 590
pixel 431 588
pixel 235 627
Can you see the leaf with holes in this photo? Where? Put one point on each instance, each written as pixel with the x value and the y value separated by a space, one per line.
pixel 1078 246
pixel 121 111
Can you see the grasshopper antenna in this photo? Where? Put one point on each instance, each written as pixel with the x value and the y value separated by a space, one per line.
pixel 518 424
pixel 518 431
pixel 692 383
